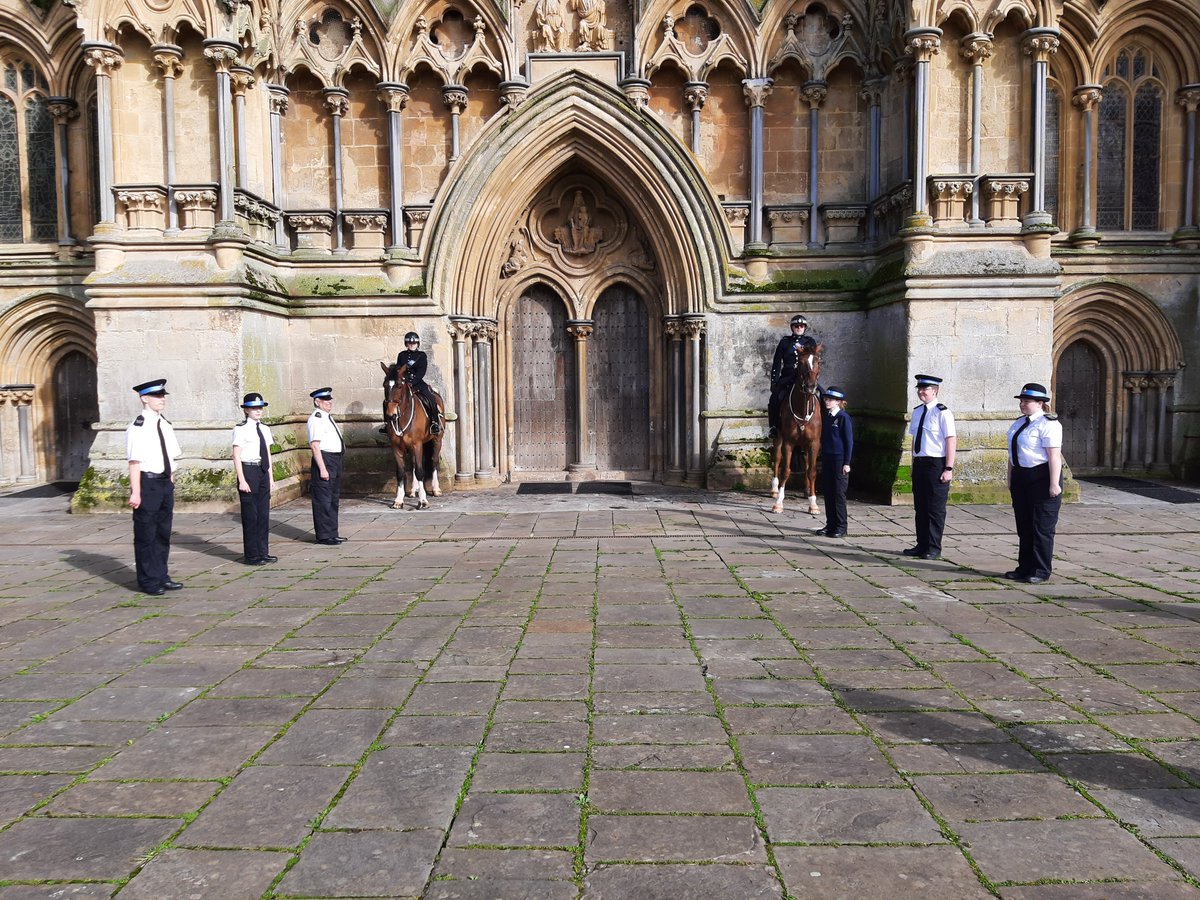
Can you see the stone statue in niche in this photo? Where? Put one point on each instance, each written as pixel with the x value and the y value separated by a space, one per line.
pixel 578 236
pixel 518 254
pixel 641 255
pixel 593 33
pixel 550 26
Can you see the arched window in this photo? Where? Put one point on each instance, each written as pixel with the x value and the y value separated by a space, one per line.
pixel 1129 157
pixel 28 201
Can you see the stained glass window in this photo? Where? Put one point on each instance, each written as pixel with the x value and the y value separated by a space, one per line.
pixel 1147 130
pixel 10 173
pixel 1129 150
pixel 1053 108
pixel 39 159
pixel 10 77
pixel 1110 186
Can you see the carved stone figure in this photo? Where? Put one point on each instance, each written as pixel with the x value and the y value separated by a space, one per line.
pixel 550 26
pixel 593 33
pixel 518 254
pixel 578 236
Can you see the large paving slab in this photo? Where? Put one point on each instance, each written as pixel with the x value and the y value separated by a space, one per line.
pixel 669 694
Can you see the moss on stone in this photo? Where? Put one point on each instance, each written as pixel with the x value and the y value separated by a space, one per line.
pixel 99 490
pixel 822 280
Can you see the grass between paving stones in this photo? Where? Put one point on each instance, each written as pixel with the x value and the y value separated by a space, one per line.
pixel 585 807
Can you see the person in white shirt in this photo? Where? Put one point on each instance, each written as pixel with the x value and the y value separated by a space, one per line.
pixel 933 450
pixel 151 448
pixel 252 465
pixel 1035 482
pixel 325 483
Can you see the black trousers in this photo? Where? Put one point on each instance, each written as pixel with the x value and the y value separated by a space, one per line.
pixel 779 390
pixel 929 501
pixel 1036 513
pixel 256 512
pixel 152 531
pixel 325 496
pixel 833 489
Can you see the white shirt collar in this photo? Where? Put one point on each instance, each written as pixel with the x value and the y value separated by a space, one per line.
pixel 1033 417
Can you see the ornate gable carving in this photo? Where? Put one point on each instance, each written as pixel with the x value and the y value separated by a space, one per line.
pixel 697 44
pixel 816 40
pixel 451 47
pixel 329 46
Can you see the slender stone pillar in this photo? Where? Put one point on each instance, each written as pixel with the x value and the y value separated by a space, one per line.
pixel 485 413
pixel 921 44
pixel 105 59
pixel 1163 381
pixel 394 96
pixel 977 48
pixel 454 97
pixel 337 101
pixel 64 109
pixel 169 58
pixel 1189 98
pixel 673 328
pixel 871 91
pixel 223 56
pixel 756 91
pixel 694 325
pixel 585 447
pixel 461 328
pixel 904 72
pixel 1135 383
pixel 694 95
pixel 815 93
pixel 1039 43
pixel 22 399
pixel 1085 98
pixel 241 79
pixel 279 105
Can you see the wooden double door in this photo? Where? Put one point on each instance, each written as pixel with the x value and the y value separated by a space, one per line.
pixel 548 388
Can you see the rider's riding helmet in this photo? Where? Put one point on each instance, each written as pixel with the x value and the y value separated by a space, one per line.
pixel 412 338
pixel 799 320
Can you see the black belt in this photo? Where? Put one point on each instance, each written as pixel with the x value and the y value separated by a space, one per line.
pixel 153 475
pixel 331 452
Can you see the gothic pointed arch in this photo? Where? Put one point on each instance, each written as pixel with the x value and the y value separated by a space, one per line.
pixel 575 118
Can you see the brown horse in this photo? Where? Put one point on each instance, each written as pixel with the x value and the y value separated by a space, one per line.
pixel 799 430
pixel 414 448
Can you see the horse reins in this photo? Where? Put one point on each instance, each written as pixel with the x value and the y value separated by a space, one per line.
pixel 412 412
pixel 810 395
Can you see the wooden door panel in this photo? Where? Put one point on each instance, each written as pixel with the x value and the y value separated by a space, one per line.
pixel 619 381
pixel 1078 400
pixel 543 408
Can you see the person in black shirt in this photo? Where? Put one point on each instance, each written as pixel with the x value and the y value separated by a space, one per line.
pixel 837 447
pixel 417 362
pixel 783 366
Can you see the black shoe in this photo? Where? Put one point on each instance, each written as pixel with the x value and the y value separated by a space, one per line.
pixel 254 562
pixel 270 559
pixel 1036 579
pixel 914 551
pixel 383 430
pixel 329 542
pixel 172 585
pixel 1014 575
pixel 835 534
pixel 931 555
pixel 773 433
pixel 155 592
pixel 342 540
pixel 823 532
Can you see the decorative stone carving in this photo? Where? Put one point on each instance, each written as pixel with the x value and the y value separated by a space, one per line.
pixel 1002 196
pixel 737 214
pixel 789 224
pixel 313 229
pixel 976 46
pixel 815 93
pixel 1086 96
pixel 697 58
pixel 454 60
pixel 1188 97
pixel 279 100
pixel 368 229
pixel 221 55
pixel 1040 43
pixel 578 236
pixel 922 43
pixel 518 253
pixel 329 47
pixel 949 195
pixel 550 26
pixel 393 96
pixel 63 109
pixel 641 255
pixel 694 95
pixel 756 91
pixel 169 59
pixel 843 222
pixel 105 60
pixel 593 19
pixel 337 101
pixel 241 79
pixel 637 92
pixel 417 217
pixel 454 98
pixel 256 216
pixel 144 205
pixel 197 206
pixel 581 330
pixel 816 40
pixel 512 93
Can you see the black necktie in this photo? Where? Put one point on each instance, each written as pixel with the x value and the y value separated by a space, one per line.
pixel 338 430
pixel 162 442
pixel 1016 460
pixel 920 431
pixel 262 448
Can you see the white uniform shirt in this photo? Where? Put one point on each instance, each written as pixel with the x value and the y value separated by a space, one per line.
pixel 143 446
pixel 1032 444
pixel 246 437
pixel 939 425
pixel 321 427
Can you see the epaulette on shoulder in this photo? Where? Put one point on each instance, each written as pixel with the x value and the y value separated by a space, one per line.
pixel 943 407
pixel 140 420
pixel 317 414
pixel 1051 417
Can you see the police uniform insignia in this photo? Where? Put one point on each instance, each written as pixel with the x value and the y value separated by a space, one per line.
pixel 942 406
pixel 140 420
pixel 1051 417
pixel 317 414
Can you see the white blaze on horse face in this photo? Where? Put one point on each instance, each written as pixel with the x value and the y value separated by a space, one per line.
pixel 810 362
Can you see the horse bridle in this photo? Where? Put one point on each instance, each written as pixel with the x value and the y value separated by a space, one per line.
pixel 810 398
pixel 394 421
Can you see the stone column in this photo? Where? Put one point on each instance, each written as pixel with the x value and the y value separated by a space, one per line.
pixel 223 55
pixel 1039 43
pixel 337 102
pixel 1136 383
pixel 64 109
pixel 815 93
pixel 485 415
pixel 694 325
pixel 902 75
pixel 454 97
pixel 512 94
pixel 394 96
pixel 673 328
pixel 921 44
pixel 169 58
pixel 1189 98
pixel 105 59
pixel 585 447
pixel 279 105
pixel 871 91
pixel 21 397
pixel 241 79
pixel 976 47
pixel 461 328
pixel 694 95
pixel 1085 99
pixel 756 91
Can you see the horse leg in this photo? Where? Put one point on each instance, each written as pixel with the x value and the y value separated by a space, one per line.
pixel 418 467
pixel 784 470
pixel 431 463
pixel 398 455
pixel 810 478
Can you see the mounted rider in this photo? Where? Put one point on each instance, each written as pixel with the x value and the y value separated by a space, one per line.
pixel 414 375
pixel 785 364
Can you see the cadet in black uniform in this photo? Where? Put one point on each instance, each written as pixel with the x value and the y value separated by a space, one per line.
pixel 418 362
pixel 783 367
pixel 837 447
pixel 934 445
pixel 151 449
pixel 325 483
pixel 252 465
pixel 1035 482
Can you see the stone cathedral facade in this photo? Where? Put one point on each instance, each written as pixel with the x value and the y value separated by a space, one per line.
pixel 599 215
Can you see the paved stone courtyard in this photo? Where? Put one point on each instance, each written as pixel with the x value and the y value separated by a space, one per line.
pixel 664 695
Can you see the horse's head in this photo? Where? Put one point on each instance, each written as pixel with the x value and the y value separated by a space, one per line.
pixel 810 365
pixel 392 376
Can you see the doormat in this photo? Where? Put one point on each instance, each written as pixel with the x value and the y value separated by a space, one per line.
pixel 624 488
pixel 604 487
pixel 1151 490
pixel 544 487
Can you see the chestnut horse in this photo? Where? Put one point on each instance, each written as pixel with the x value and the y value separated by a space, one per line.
pixel 414 448
pixel 799 431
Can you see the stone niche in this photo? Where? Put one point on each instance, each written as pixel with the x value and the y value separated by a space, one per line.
pixel 587 35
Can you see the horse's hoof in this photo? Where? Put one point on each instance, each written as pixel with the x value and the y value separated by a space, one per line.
pixel 436 493
pixel 422 506
pixel 814 512
pixel 397 506
pixel 776 508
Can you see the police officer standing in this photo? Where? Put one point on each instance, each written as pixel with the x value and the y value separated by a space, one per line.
pixel 151 449
pixel 783 367
pixel 252 465
pixel 418 362
pixel 1035 483
pixel 837 448
pixel 933 449
pixel 325 483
